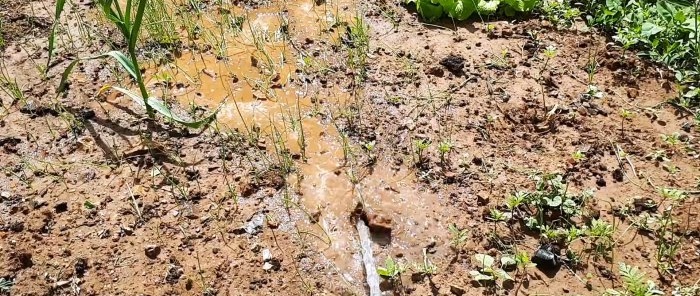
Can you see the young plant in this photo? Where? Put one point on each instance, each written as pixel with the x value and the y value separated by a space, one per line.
pixel 128 20
pixel 427 268
pixel 578 156
pixel 420 146
pixel 625 115
pixel 634 283
pixel 672 139
pixel 487 272
pixel 444 149
pixel 391 270
pixel 602 234
pixel 459 237
pixel 549 53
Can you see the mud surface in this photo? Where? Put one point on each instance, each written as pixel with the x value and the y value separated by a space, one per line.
pixel 99 200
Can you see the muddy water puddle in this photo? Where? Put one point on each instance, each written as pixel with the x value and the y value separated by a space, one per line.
pixel 255 78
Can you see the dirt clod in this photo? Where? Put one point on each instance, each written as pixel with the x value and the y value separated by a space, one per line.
pixel 453 63
pixel 152 251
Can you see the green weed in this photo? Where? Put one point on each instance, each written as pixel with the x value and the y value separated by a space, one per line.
pixel 634 283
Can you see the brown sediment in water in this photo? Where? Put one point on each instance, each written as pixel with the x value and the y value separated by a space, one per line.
pixel 257 83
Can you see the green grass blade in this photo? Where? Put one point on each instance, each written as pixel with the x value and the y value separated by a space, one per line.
pixel 117 55
pixel 60 5
pixel 161 108
pixel 136 27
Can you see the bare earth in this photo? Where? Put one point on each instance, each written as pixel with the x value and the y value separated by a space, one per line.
pixel 99 200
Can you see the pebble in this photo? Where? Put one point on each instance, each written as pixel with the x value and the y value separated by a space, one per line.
pixel 152 251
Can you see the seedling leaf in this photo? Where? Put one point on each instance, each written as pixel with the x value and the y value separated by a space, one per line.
pixel 117 55
pixel 159 106
pixel 478 276
pixel 484 260
pixel 507 261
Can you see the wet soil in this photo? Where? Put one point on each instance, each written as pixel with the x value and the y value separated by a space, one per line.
pixel 98 200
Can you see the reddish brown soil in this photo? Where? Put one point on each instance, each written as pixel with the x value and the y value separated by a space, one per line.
pixel 98 200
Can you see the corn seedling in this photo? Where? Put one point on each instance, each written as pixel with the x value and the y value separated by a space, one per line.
pixel 128 20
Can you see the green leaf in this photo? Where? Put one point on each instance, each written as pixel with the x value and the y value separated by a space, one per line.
pixel 60 5
pixel 159 106
pixel 89 205
pixel 117 55
pixel 429 11
pixel 521 5
pixel 555 202
pixel 488 7
pixel 466 9
pixel 484 260
pixel 650 29
pixel 478 276
pixel 507 261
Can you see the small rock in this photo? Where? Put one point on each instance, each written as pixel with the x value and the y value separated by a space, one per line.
pixel 255 224
pixel 5 194
pixel 457 290
pixel 601 182
pixel 453 63
pixel 152 251
pixel 266 255
pixel 632 93
pixel 81 266
pixel 267 266
pixel 379 224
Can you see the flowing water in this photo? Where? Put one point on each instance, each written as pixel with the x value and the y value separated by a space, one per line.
pixel 256 76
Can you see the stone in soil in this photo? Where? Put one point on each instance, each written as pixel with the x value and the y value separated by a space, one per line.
pixel 152 251
pixel 453 63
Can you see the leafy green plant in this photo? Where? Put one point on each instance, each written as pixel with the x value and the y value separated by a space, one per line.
pixel 602 234
pixel 486 271
pixel 432 10
pixel 634 283
pixel 459 236
pixel 559 13
pixel 391 269
pixel 444 149
pixel 664 31
pixel 420 146
pixel 427 268
pixel 672 139
pixel 578 156
pixel 128 20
